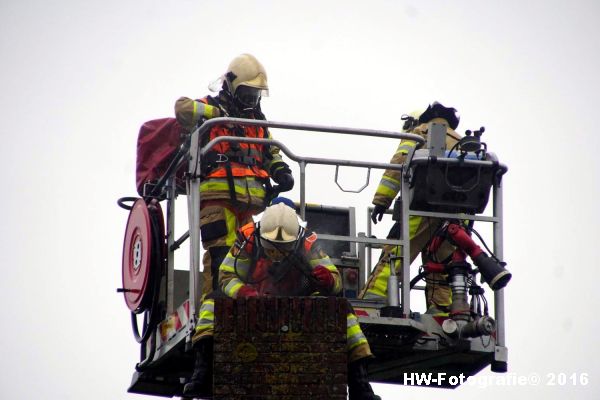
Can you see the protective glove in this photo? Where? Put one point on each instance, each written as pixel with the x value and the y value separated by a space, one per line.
pixel 284 179
pixel 246 291
pixel 377 213
pixel 324 278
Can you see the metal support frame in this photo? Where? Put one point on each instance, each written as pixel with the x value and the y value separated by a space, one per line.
pixel 363 242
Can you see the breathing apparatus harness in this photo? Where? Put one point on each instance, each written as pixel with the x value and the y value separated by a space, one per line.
pixel 214 159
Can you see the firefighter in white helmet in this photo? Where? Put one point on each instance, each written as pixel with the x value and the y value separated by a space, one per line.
pixel 235 176
pixel 278 257
pixel 421 229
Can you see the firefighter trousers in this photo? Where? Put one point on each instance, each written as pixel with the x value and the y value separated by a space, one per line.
pixel 421 230
pixel 219 222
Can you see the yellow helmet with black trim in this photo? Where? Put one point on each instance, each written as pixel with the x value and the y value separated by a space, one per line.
pixel 246 80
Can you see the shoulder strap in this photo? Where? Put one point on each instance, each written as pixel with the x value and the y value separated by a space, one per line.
pixel 246 235
pixel 309 241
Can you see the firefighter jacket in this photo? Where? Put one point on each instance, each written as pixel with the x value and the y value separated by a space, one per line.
pixel 389 186
pixel 246 264
pixel 236 171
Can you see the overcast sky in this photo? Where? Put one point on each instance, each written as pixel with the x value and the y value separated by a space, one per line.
pixel 78 78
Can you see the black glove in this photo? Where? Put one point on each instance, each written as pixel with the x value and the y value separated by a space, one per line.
pixel 377 213
pixel 284 179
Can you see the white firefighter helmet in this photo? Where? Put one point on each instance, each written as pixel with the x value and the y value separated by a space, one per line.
pixel 280 228
pixel 246 80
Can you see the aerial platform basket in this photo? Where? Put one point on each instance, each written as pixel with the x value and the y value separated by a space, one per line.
pixel 402 339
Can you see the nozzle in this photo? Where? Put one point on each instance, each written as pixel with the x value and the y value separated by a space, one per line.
pixel 492 272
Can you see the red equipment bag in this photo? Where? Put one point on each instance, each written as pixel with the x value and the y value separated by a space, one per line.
pixel 157 143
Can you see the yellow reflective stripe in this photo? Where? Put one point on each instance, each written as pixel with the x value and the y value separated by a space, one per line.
pixel 351 320
pixel 208 304
pixel 331 268
pixel 242 182
pixel 212 185
pixel 204 328
pixel 407 144
pixel 413 224
pixel 229 265
pixel 354 334
pixel 337 283
pixel 389 181
pixel 370 295
pixel 253 183
pixel 227 268
pixel 209 111
pixel 379 288
pixel 389 186
pixel 356 342
pixel 233 287
pixel 195 111
pixel 218 187
pixel 337 286
pixel 325 261
pixel 231 222
pixel 404 148
pixel 206 110
pixel 206 315
pixel 258 192
pixel 385 191
pixel 207 319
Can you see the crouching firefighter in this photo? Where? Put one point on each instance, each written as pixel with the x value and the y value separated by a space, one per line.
pixel 235 176
pixel 278 257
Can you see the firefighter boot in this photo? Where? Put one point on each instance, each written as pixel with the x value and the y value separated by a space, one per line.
pixel 359 387
pixel 200 384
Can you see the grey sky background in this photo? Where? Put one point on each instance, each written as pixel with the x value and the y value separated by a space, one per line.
pixel 77 79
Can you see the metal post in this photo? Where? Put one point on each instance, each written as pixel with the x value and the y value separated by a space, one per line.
pixel 362 273
pixel 170 240
pixel 499 251
pixel 500 362
pixel 302 190
pixel 194 223
pixel 369 248
pixel 405 240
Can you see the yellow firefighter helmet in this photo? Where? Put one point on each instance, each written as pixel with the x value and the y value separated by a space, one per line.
pixel 246 80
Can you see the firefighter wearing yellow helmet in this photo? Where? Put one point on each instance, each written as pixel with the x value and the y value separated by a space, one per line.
pixel 235 176
pixel 421 229
pixel 278 257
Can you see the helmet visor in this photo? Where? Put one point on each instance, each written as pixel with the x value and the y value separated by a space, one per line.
pixel 278 246
pixel 248 96
pixel 276 255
